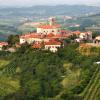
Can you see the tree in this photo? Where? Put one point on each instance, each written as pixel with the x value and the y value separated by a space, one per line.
pixel 4 47
pixel 13 39
pixel 95 34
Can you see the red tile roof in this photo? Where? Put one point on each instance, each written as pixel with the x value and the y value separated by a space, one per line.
pixel 61 36
pixel 50 35
pixel 53 42
pixel 37 45
pixel 76 32
pixel 40 36
pixel 3 43
pixel 32 35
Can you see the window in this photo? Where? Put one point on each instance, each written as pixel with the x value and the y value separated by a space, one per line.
pixel 52 30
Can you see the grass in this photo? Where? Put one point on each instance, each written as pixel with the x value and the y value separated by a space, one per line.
pixel 72 77
pixel 9 21
pixel 25 29
pixel 71 80
pixel 8 85
pixel 97 97
pixel 3 63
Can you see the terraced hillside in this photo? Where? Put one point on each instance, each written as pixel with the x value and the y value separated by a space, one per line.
pixel 93 89
pixel 8 85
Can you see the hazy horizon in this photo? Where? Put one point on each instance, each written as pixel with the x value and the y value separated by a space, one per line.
pixel 27 3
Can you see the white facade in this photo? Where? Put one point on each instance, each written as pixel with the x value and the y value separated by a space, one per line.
pixel 52 48
pixel 55 31
pixel 1 47
pixel 98 38
pixel 52 27
pixel 22 40
pixel 87 36
pixel 31 40
pixel 83 36
pixel 78 40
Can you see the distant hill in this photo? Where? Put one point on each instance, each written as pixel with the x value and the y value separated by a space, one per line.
pixel 73 10
pixel 94 17
pixel 12 18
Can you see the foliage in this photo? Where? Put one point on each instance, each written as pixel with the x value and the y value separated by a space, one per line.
pixel 95 34
pixel 42 75
pixel 13 39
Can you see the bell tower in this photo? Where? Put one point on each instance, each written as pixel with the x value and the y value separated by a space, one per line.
pixel 52 21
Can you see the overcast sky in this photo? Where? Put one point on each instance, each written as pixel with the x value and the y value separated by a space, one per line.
pixel 45 2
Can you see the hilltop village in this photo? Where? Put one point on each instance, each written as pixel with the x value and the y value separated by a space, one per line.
pixel 50 64
pixel 50 36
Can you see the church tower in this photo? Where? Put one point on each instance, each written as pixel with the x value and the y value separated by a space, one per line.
pixel 52 21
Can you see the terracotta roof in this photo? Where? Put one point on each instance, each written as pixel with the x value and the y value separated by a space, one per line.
pixel 61 36
pixel 37 45
pixel 53 42
pixel 76 32
pixel 32 35
pixel 50 35
pixel 3 43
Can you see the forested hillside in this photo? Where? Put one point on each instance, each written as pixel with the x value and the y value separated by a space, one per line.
pixel 41 75
pixel 49 10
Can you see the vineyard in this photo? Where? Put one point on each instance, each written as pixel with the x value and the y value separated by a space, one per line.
pixel 92 90
pixel 7 85
pixel 29 73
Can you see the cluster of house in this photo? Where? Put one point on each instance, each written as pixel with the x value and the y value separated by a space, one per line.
pixel 50 36
pixel 80 36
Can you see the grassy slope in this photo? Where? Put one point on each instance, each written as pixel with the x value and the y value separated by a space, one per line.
pixel 3 63
pixel 5 29
pixel 8 85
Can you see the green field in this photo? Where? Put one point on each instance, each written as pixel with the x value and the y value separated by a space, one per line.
pixel 8 85
pixel 13 26
pixel 3 63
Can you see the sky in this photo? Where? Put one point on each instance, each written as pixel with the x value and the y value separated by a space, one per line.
pixel 46 2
